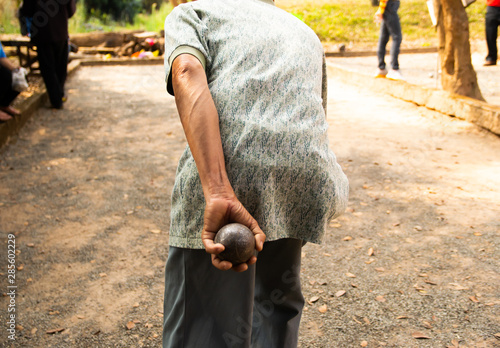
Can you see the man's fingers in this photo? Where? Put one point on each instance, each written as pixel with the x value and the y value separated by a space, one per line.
pixel 259 241
pixel 213 248
pixel 222 265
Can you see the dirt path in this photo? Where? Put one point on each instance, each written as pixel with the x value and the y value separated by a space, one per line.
pixel 86 192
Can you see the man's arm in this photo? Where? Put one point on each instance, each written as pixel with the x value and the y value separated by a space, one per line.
pixel 380 12
pixel 7 63
pixel 71 8
pixel 200 121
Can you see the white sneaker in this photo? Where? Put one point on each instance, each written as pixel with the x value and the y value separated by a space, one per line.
pixel 395 75
pixel 381 73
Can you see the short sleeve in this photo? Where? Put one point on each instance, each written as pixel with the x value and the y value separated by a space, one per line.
pixel 185 32
pixel 2 52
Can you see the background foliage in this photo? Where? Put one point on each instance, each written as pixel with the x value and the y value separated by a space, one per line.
pixel 335 21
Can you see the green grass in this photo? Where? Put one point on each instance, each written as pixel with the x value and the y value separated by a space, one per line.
pixel 8 21
pixel 344 22
pixel 335 21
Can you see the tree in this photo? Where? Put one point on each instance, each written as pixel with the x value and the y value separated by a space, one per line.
pixel 457 73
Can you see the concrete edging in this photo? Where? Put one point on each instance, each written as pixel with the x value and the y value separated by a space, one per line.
pixel 480 113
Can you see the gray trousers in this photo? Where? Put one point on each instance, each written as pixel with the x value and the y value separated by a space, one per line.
pixel 209 308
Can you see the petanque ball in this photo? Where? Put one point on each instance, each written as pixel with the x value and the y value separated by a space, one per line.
pixel 239 243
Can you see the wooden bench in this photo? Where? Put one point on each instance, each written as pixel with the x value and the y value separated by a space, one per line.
pixel 27 58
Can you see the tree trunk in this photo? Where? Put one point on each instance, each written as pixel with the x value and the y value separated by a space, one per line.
pixel 457 73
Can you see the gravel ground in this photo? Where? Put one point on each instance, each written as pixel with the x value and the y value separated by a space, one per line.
pixel 85 193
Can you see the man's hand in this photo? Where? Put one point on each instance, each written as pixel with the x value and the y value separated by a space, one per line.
pixel 219 211
pixel 378 16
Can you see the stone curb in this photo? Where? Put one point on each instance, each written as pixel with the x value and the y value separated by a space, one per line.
pixel 480 113
pixel 330 53
pixel 29 106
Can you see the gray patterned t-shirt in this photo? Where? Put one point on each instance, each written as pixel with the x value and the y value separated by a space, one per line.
pixel 267 75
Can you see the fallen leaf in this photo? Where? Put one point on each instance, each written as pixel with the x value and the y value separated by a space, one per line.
pixel 19 327
pixel 102 275
pixel 497 335
pixel 364 344
pixel 366 320
pixel 380 298
pixel 418 228
pixel 155 231
pixel 53 312
pixel 80 317
pixel 402 317
pixel 34 330
pixel 430 282
pixel 20 268
pixel 130 325
pixel 455 343
pixel 53 331
pixel 340 293
pixel 420 335
pixel 323 309
pixel 371 252
pixel 473 299
pixel 427 324
pixel 380 269
pixel 31 245
pixel 350 275
pixel 370 261
pixel 423 275
pixel 135 305
pixel 347 238
pixel 313 299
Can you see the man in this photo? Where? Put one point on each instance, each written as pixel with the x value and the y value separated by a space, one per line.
pixel 492 23
pixel 249 81
pixel 390 26
pixel 49 32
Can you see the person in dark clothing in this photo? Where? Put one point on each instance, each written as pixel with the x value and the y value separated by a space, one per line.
pixel 7 93
pixel 49 32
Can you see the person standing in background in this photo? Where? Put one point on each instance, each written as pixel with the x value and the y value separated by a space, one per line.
pixel 390 26
pixel 492 23
pixel 49 32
